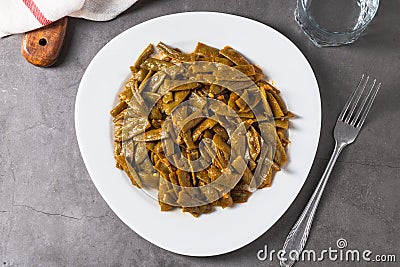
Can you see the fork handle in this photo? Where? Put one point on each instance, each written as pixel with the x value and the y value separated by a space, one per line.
pixel 298 235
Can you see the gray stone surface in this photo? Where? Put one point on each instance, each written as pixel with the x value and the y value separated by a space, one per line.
pixel 52 215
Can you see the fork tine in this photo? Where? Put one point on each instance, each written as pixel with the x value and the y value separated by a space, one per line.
pixel 355 101
pixel 345 108
pixel 361 107
pixel 371 100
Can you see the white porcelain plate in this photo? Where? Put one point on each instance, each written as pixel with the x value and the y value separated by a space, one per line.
pixel 223 230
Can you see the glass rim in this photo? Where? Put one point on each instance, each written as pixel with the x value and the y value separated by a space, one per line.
pixel 326 31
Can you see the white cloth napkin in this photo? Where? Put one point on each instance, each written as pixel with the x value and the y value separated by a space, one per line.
pixel 18 16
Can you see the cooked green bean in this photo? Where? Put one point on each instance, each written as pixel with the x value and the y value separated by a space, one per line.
pixel 266 106
pixel 282 136
pixel 118 109
pixel 140 153
pixel 192 123
pixel 206 124
pixel 154 135
pixel 246 115
pixel 155 114
pixel 282 123
pixel 205 50
pixel 151 97
pixel 248 70
pixel 280 153
pixel 221 159
pixel 174 54
pixel 203 176
pixel 267 180
pixel 217 59
pixel 129 171
pixel 139 75
pixel 184 178
pixel 233 55
pixel 254 141
pixel 200 68
pixel 190 152
pixel 276 109
pixel 240 196
pixel 216 89
pixel 168 98
pixel 187 138
pixel 205 78
pixel 278 99
pixel 134 127
pixel 223 61
pixel 163 169
pixel 127 93
pixel 214 173
pixel 197 211
pixel 247 176
pixel 220 143
pixel 232 101
pixel 229 75
pixel 220 131
pixel 179 97
pixel 145 81
pixel 187 86
pixel 147 52
pixel 156 64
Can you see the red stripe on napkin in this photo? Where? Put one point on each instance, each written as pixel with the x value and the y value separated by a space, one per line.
pixel 36 12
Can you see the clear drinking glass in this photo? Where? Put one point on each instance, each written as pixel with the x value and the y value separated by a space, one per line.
pixel 334 22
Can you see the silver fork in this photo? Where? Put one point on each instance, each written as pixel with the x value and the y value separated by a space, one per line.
pixel 348 125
